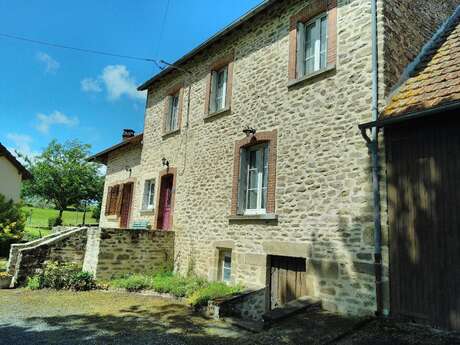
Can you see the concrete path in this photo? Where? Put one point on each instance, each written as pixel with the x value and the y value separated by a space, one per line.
pixel 66 318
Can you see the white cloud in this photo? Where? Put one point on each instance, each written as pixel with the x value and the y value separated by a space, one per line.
pixel 117 81
pixel 55 118
pixel 91 85
pixel 51 65
pixel 22 144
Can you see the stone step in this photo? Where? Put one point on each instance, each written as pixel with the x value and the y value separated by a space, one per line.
pixel 290 309
pixel 252 326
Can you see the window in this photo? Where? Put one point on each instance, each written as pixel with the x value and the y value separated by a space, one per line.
pixel 112 200
pixel 225 265
pixel 172 116
pixel 254 179
pixel 219 80
pixel 312 40
pixel 149 195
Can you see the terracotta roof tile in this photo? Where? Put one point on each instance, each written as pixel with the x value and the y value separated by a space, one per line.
pixel 434 82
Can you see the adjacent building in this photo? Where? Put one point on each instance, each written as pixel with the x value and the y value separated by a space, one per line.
pixel 12 173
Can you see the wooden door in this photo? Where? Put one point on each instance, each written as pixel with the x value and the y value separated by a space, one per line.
pixel 424 200
pixel 287 280
pixel 165 203
pixel 126 200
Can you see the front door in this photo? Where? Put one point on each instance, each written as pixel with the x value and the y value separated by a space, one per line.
pixel 165 203
pixel 288 280
pixel 126 199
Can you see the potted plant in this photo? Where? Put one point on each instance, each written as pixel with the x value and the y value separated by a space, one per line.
pixel 5 280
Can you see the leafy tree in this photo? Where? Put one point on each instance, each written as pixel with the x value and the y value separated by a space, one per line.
pixel 63 176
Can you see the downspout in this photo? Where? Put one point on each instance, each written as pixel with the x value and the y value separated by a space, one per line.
pixel 374 148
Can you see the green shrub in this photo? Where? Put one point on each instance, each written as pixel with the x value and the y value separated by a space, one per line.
pixel 12 222
pixel 66 276
pixel 132 282
pixel 54 221
pixel 34 282
pixel 213 290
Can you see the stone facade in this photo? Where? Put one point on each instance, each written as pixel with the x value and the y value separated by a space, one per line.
pixel 323 190
pixel 114 252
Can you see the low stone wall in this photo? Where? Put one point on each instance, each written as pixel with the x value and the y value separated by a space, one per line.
pixel 114 252
pixel 250 305
pixel 68 246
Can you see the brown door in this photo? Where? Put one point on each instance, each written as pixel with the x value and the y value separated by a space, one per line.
pixel 288 279
pixel 126 200
pixel 424 200
pixel 165 203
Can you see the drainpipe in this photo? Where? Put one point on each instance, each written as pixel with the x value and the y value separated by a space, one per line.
pixel 374 148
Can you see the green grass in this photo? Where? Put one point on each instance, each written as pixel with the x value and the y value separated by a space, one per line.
pixel 197 291
pixel 39 217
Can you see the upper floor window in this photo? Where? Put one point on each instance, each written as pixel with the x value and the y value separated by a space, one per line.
pixel 172 119
pixel 219 89
pixel 313 39
pixel 312 46
pixel 149 195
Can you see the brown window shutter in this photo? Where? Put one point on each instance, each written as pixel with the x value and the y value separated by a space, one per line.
pixel 108 201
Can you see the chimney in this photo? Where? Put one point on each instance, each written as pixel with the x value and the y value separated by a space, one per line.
pixel 127 134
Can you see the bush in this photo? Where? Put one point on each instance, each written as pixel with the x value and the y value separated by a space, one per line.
pixel 63 276
pixel 54 221
pixel 213 290
pixel 132 282
pixel 96 212
pixel 12 222
pixel 34 282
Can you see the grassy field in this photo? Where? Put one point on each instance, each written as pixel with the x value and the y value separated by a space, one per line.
pixel 37 221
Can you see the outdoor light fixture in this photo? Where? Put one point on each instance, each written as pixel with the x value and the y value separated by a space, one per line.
pixel 249 130
pixel 165 162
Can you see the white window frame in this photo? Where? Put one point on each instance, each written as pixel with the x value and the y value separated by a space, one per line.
pixel 148 200
pixel 260 179
pixel 218 101
pixel 319 46
pixel 225 253
pixel 172 120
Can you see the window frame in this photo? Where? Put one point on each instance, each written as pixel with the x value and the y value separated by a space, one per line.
pixel 149 195
pixel 315 10
pixel 178 92
pixel 237 206
pixel 224 64
pixel 262 171
pixel 302 56
pixel 223 254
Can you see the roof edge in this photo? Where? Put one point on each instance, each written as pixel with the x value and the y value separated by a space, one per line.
pixel 227 29
pixel 101 157
pixel 26 175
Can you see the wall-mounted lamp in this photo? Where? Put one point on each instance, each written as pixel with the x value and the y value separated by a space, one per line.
pixel 165 162
pixel 128 170
pixel 249 130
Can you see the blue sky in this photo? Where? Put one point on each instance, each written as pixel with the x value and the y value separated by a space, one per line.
pixel 48 93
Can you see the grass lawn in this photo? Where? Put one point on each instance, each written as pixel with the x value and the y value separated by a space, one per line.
pixel 37 221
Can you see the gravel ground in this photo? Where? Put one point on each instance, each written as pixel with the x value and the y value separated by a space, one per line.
pixel 66 318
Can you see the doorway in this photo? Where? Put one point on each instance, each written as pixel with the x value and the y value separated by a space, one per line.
pixel 164 218
pixel 126 199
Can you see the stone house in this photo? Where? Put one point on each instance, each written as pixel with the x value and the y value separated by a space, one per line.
pixel 252 156
pixel 12 173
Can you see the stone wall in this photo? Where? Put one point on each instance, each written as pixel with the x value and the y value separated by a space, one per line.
pixel 323 196
pixel 115 252
pixel 66 247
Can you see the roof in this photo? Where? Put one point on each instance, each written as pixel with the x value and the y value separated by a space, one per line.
pixel 26 175
pixel 102 156
pixel 434 82
pixel 228 29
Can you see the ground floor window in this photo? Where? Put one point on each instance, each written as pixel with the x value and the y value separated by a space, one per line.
pixel 225 265
pixel 149 195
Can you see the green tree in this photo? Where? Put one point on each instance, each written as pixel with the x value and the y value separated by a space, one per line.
pixel 63 176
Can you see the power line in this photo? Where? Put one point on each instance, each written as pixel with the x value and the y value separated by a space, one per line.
pixel 161 32
pixel 82 50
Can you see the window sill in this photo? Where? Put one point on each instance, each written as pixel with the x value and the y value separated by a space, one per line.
pixel 295 82
pixel 147 212
pixel 268 216
pixel 217 113
pixel 170 133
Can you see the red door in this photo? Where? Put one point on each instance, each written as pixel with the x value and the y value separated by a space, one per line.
pixel 126 199
pixel 165 204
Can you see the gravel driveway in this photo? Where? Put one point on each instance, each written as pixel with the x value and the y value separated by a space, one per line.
pixel 66 318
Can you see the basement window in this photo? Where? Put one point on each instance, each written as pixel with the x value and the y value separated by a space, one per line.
pixel 225 265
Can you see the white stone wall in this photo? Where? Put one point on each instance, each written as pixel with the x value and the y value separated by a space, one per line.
pixel 10 185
